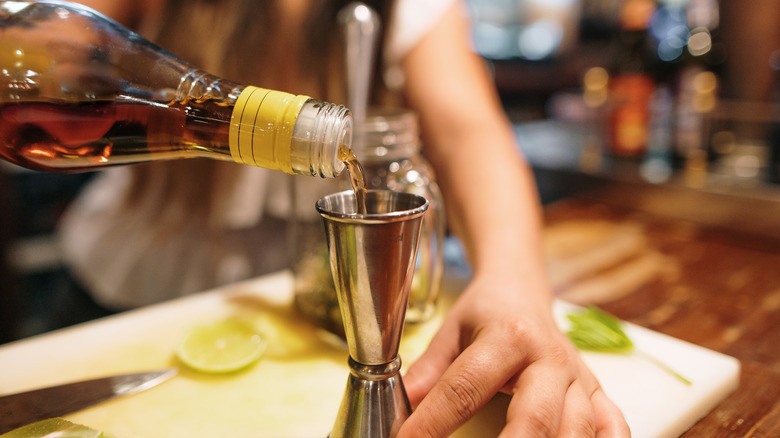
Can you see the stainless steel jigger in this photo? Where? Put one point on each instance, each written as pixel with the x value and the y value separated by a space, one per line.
pixel 372 258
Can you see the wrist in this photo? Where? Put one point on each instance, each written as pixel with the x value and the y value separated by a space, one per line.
pixel 525 280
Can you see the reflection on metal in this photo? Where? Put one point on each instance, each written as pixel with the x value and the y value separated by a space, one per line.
pixel 372 257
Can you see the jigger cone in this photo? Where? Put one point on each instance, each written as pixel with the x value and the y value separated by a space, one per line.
pixel 372 258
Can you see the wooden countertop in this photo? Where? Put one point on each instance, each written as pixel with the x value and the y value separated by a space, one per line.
pixel 713 287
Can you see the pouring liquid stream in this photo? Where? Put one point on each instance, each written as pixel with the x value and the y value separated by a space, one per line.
pixel 356 177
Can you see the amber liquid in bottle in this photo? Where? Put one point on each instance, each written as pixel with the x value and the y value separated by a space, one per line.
pixel 84 135
pixel 356 177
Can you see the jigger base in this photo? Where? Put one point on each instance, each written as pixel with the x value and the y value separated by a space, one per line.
pixel 375 402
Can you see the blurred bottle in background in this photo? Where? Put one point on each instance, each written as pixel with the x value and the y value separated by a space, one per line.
pixel 656 165
pixel 697 88
pixel 774 134
pixel 749 110
pixel 631 84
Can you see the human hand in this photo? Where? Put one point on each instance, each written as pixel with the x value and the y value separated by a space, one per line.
pixel 496 338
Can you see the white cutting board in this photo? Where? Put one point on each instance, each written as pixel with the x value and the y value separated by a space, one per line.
pixel 295 389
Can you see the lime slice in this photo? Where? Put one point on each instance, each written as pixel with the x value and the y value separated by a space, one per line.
pixel 221 347
pixel 54 427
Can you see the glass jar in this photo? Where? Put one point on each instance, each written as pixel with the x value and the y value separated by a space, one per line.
pixel 389 149
pixel 388 146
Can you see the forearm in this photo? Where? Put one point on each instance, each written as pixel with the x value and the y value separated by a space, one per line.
pixel 499 334
pixel 489 190
pixel 492 202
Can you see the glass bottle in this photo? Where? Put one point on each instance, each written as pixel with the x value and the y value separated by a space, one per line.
pixel 389 151
pixel 631 85
pixel 79 91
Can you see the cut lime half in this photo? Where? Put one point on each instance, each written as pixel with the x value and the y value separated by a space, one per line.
pixel 54 428
pixel 223 346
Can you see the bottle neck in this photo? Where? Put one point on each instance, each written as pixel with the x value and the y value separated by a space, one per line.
pixel 321 129
pixel 198 86
pixel 277 130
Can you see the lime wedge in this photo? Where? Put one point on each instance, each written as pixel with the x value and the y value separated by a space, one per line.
pixel 54 427
pixel 223 346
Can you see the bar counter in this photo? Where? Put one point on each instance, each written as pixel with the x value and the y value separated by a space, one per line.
pixel 712 286
pixel 681 275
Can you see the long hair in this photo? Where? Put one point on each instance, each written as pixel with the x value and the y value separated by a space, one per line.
pixel 247 41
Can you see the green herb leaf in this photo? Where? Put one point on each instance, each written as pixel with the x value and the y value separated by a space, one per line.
pixel 593 329
pixel 596 330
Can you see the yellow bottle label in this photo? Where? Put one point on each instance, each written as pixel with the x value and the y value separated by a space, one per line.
pixel 261 127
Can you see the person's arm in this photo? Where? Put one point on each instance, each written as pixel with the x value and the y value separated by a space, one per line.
pixel 500 335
